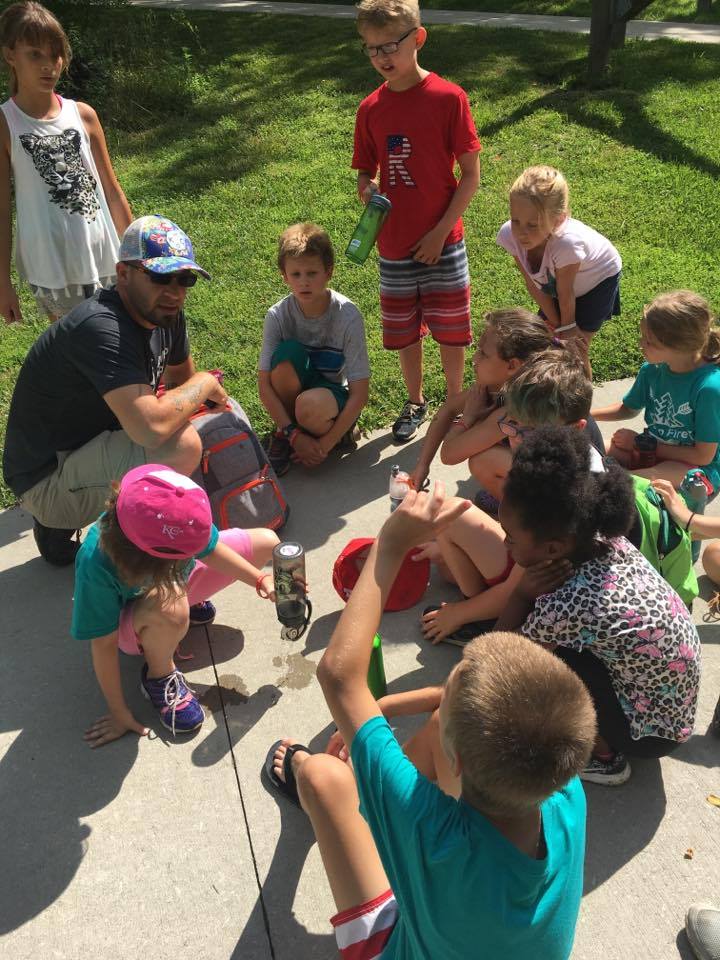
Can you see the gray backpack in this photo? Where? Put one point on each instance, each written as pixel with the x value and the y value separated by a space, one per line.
pixel 242 486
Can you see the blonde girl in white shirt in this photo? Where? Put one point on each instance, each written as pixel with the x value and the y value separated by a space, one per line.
pixel 571 271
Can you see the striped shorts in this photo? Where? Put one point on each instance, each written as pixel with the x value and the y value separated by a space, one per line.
pixel 362 932
pixel 420 298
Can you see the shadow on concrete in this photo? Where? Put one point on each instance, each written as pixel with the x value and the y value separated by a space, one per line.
pixel 49 778
pixel 709 631
pixel 283 878
pixel 235 713
pixel 210 645
pixel 336 489
pixel 701 750
pixel 685 951
pixel 708 590
pixel 635 813
pixel 318 636
pixel 15 523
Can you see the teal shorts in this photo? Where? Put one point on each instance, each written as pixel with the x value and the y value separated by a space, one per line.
pixel 294 352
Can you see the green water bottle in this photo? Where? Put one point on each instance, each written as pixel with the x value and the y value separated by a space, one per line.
pixel 367 230
pixel 376 670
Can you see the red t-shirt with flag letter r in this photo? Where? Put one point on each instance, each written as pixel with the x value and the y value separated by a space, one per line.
pixel 414 137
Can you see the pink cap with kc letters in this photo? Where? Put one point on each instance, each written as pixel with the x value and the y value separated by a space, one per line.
pixel 163 513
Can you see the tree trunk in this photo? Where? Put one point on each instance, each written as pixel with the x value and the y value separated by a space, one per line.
pixel 600 35
pixel 704 6
pixel 608 24
pixel 617 34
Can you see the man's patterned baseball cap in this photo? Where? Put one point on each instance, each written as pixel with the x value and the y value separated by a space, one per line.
pixel 159 245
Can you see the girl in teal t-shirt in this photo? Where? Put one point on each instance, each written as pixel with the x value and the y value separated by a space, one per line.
pixel 144 573
pixel 679 390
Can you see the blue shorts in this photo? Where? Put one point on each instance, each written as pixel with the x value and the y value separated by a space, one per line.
pixel 596 306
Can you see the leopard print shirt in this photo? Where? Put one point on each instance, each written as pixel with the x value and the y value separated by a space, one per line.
pixel 622 611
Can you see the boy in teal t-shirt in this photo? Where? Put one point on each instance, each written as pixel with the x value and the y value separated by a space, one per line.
pixel 415 872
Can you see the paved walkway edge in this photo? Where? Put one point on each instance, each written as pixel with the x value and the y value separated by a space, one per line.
pixel 638 29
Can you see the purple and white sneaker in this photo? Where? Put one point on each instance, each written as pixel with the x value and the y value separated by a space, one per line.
pixel 179 709
pixel 202 614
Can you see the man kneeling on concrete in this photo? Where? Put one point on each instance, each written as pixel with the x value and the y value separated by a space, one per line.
pixel 85 411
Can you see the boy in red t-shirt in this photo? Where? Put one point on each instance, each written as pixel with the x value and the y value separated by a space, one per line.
pixel 412 130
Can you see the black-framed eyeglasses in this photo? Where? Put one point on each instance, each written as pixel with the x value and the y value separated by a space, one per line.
pixel 391 47
pixel 185 278
pixel 511 428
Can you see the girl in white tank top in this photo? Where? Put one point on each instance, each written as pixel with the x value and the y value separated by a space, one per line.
pixel 69 205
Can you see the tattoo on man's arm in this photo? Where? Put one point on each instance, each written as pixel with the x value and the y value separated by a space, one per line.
pixel 185 395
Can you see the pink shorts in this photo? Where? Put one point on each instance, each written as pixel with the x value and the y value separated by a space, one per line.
pixel 203 583
pixel 362 932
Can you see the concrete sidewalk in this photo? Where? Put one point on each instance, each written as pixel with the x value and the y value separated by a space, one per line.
pixel 159 848
pixel 638 29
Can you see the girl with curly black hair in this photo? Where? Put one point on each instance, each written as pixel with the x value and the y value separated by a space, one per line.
pixel 596 601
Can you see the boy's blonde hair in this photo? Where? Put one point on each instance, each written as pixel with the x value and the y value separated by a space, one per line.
pixel 550 390
pixel 521 722
pixel 388 13
pixel 682 320
pixel 137 568
pixel 31 23
pixel 518 333
pixel 305 239
pixel 546 188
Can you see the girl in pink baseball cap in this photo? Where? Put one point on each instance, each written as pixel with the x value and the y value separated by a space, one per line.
pixel 142 576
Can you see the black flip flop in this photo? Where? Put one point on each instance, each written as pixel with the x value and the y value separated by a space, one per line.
pixel 287 787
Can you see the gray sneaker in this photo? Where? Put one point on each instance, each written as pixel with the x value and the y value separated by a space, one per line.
pixel 279 451
pixel 702 926
pixel 609 773
pixel 411 416
pixel 350 439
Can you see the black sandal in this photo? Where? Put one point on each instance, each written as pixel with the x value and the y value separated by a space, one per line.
pixel 288 786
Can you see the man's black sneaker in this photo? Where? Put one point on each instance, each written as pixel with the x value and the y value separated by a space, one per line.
pixel 57 546
pixel 411 416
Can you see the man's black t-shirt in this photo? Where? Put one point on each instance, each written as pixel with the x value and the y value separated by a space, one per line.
pixel 58 399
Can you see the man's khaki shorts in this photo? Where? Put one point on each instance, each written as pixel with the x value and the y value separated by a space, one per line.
pixel 75 493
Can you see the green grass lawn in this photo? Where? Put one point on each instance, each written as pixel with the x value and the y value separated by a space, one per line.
pixel 684 10
pixel 244 125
